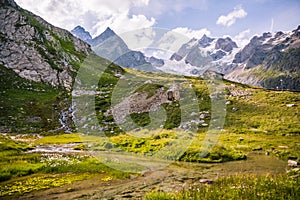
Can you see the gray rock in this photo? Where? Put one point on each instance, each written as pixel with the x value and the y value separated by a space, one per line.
pixel 34 48
pixel 292 163
pixel 290 105
pixel 225 44
pixel 206 181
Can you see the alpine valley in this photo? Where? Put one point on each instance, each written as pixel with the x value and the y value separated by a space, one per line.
pixel 90 118
pixel 270 60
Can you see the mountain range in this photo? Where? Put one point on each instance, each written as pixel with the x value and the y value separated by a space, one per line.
pixel 39 63
pixel 111 46
pixel 270 60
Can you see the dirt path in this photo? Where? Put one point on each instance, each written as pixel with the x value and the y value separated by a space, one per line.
pixel 174 177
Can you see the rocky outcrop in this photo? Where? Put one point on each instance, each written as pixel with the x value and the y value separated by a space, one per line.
pixel 140 102
pixel 35 49
pixel 226 44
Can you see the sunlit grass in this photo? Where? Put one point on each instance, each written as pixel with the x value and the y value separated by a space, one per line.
pixel 238 187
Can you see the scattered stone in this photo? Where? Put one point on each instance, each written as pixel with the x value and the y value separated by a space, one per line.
pixel 283 147
pixel 235 109
pixel 241 139
pixel 292 163
pixel 204 115
pixel 204 125
pixel 267 153
pixel 228 103
pixel 206 181
pixel 290 105
pixel 148 82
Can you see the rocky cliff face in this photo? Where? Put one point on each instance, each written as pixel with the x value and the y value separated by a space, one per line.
pixel 271 61
pixel 38 64
pixel 36 50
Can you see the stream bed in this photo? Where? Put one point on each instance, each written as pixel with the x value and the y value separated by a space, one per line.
pixel 175 176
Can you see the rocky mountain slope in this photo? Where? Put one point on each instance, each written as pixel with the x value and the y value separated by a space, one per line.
pixel 207 53
pixel 38 65
pixel 112 47
pixel 271 61
pixel 36 50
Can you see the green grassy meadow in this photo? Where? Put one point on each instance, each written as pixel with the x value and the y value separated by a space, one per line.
pixel 256 120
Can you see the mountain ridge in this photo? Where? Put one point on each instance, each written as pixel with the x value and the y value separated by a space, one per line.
pixel 112 47
pixel 270 61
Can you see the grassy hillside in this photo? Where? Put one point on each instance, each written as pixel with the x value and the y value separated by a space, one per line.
pixel 27 106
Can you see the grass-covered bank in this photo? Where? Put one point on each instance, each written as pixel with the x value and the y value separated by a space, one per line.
pixel 238 187
pixel 22 172
pixel 29 107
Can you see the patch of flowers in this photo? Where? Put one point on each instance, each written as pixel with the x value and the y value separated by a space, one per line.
pixel 39 183
pixel 56 160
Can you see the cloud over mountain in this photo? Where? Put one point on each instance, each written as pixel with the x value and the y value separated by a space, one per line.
pixel 95 15
pixel 230 19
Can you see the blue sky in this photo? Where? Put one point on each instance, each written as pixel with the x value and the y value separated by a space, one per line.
pixel 240 19
pixel 260 14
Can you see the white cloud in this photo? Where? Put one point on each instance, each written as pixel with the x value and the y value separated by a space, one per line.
pixel 156 8
pixel 192 33
pixel 243 38
pixel 230 19
pixel 121 22
pixel 94 15
pixel 172 40
pixel 139 39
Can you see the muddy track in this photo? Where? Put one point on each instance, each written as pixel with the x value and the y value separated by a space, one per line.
pixel 172 178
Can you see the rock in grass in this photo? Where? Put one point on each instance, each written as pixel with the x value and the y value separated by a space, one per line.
pixel 206 181
pixel 290 105
pixel 292 163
